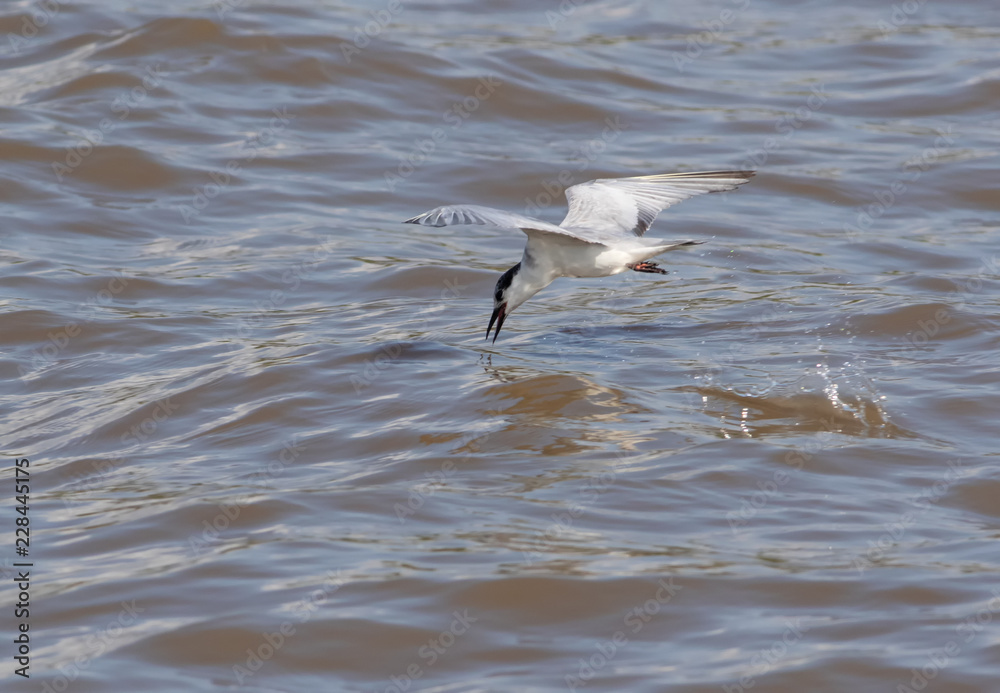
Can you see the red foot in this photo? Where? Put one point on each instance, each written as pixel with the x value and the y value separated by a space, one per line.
pixel 650 267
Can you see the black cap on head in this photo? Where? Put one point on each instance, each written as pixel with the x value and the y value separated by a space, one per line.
pixel 503 283
pixel 499 304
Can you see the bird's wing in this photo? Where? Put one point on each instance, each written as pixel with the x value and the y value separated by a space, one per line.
pixel 622 206
pixel 474 214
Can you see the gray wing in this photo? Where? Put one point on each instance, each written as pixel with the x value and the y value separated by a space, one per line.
pixel 474 214
pixel 622 206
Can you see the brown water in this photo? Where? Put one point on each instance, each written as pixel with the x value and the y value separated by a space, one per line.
pixel 270 449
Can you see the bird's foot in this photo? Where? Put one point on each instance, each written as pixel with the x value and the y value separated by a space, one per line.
pixel 650 267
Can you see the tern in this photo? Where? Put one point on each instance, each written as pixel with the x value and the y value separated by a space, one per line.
pixel 601 235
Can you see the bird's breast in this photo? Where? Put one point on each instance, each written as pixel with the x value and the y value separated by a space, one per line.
pixel 576 261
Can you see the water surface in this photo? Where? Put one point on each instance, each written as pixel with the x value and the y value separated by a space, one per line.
pixel 271 450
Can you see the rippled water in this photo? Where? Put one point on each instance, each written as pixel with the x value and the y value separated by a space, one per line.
pixel 270 449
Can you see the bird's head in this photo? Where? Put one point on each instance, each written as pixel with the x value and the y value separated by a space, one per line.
pixel 506 297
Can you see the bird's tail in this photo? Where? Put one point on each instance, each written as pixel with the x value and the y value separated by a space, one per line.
pixel 658 245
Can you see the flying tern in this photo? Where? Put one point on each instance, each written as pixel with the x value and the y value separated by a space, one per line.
pixel 600 236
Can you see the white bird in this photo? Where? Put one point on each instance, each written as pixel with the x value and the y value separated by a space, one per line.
pixel 600 236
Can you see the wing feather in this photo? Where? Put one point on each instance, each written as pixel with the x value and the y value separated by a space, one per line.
pixel 622 206
pixel 476 214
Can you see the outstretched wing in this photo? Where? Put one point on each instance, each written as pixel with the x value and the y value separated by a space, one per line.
pixel 622 206
pixel 474 214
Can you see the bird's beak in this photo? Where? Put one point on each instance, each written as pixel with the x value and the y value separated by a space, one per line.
pixel 499 313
